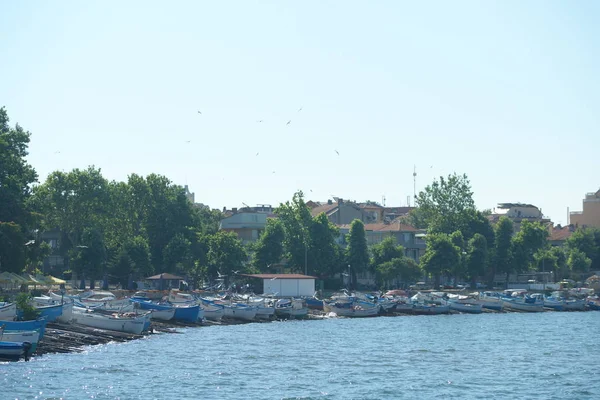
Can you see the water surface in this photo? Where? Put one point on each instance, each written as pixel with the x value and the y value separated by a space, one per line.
pixel 526 356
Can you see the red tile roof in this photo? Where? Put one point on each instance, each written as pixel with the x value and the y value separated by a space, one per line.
pixel 326 208
pixel 279 276
pixel 560 234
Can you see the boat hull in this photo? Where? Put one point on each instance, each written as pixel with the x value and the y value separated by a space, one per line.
pixel 8 312
pixel 466 307
pixel 163 315
pixel 243 313
pixel 12 351
pixel 32 337
pixel 420 309
pixel 39 325
pixel 525 307
pixel 130 325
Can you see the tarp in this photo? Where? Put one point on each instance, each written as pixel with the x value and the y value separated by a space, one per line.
pixel 55 281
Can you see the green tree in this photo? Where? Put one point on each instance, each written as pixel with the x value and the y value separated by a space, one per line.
pixel 562 268
pixel 385 251
pixel 458 240
pixel 502 261
pixel 324 253
pixel 578 262
pixel 16 177
pixel 177 254
pixel 269 247
pixel 401 268
pixel 296 220
pixel 530 239
pixel 587 241
pixel 226 255
pixel 441 256
pixel 446 205
pixel 546 261
pixel 477 258
pixel 89 257
pixel 357 252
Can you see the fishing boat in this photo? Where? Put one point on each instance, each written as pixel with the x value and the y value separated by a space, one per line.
pixel 430 309
pixel 554 304
pixel 50 312
pixel 314 303
pixel 264 309
pixel 14 351
pixel 8 311
pixel 213 312
pixel 354 309
pixel 39 325
pixel 110 322
pixel 32 337
pixel 188 312
pixel 291 308
pixel 403 307
pixel 469 308
pixel 240 311
pixel 522 305
pixel 163 315
pixel 574 305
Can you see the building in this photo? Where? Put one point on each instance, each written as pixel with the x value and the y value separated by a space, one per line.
pixel 286 285
pixel 248 222
pixel 590 216
pixel 164 281
pixel 560 234
pixel 339 212
pixel 517 213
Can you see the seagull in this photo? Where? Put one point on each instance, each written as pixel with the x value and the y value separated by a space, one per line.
pixel 188 141
pixel 300 109
pixel 273 171
pixel 338 153
pixel 431 166
pixel 57 152
pixel 273 278
pixel 289 122
pixel 256 153
pixel 82 246
pixel 236 272
pixel 345 274
pixel 220 276
pixel 311 190
pixel 30 243
pixel 259 121
pixel 200 112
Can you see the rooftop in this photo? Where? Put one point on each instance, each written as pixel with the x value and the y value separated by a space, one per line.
pixel 279 276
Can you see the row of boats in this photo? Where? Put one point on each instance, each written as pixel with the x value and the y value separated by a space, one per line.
pixel 133 315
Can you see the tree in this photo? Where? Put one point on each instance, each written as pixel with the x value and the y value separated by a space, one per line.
pixel 531 237
pixel 446 205
pixel 440 257
pixel 385 251
pixel 16 177
pixel 89 258
pixel 477 258
pixel 587 241
pixel 562 268
pixel 400 268
pixel 502 254
pixel 269 247
pixel 578 261
pixel 357 252
pixel 177 254
pixel 296 220
pixel 226 255
pixel 546 261
pixel 458 240
pixel 324 253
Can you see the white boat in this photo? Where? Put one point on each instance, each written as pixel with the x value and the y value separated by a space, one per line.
pixel 109 322
pixel 264 310
pixel 32 337
pixel 163 315
pixel 356 309
pixel 213 312
pixel 403 307
pixel 67 313
pixel 574 305
pixel 240 311
pixel 520 305
pixel 8 311
pixel 469 308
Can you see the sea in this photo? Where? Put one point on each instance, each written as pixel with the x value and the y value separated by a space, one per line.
pixel 549 355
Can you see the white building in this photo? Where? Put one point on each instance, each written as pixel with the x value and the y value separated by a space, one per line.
pixel 287 285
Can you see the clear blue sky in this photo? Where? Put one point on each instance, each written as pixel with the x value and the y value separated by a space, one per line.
pixel 507 92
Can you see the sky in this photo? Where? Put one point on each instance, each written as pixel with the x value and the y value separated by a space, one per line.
pixel 507 92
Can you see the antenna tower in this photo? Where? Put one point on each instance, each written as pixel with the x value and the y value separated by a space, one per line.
pixel 415 185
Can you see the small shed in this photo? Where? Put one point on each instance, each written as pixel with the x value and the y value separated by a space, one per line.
pixel 164 281
pixel 286 285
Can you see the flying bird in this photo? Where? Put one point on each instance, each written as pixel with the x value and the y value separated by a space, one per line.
pixel 200 112
pixel 273 278
pixel 300 109
pixel 236 272
pixel 259 121
pixel 220 276
pixel 289 122
pixel 273 171
pixel 30 243
pixel 256 153
pixel 188 141
pixel 57 152
pixel 82 246
pixel 338 153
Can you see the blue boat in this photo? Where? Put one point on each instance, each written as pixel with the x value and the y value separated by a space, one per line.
pixel 51 313
pixel 14 350
pixel 314 303
pixel 25 326
pixel 187 313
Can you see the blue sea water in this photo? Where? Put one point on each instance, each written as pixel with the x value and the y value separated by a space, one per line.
pixel 509 356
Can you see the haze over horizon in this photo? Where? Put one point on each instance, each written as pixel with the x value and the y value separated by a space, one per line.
pixel 505 92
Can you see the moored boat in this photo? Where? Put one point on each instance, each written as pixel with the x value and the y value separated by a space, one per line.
pixel 118 323
pixel 469 308
pixel 14 351
pixel 520 305
pixel 8 311
pixel 430 309
pixel 32 337
pixel 38 324
pixel 355 309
